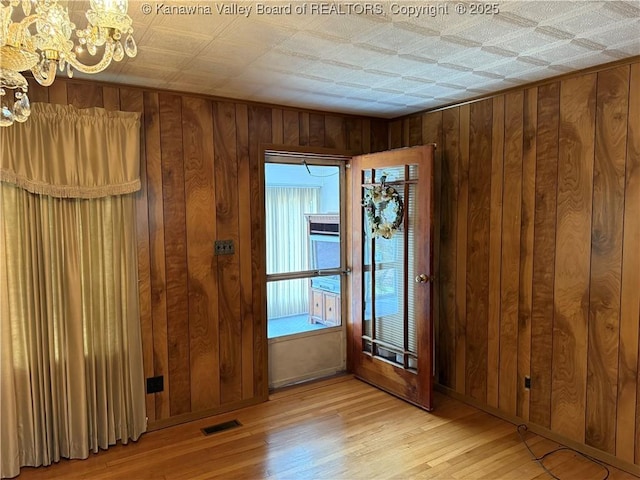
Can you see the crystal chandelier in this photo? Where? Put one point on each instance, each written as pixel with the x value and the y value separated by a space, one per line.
pixel 39 39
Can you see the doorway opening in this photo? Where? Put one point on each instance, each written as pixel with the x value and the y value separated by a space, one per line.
pixel 305 258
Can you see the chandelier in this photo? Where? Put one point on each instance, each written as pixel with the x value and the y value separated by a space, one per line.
pixel 39 39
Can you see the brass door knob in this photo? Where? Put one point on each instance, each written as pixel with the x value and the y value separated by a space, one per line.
pixel 423 278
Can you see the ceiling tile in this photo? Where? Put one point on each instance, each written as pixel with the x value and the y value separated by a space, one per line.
pixel 160 58
pixel 581 21
pixel 170 39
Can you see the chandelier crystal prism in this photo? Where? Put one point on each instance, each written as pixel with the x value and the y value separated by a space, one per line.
pixel 37 36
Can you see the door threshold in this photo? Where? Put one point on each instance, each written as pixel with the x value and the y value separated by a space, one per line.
pixel 310 384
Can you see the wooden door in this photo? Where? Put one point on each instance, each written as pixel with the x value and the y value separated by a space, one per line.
pixel 390 341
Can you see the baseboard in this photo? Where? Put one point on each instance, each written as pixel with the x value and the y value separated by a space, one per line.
pixel 543 432
pixel 190 417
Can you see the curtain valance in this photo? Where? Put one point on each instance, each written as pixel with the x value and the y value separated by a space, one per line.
pixel 63 151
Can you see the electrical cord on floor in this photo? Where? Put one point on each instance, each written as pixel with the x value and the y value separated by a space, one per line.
pixel 523 428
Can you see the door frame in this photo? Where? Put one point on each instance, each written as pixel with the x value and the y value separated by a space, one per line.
pixel 293 152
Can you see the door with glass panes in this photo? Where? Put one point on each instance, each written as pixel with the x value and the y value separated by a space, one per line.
pixel 390 342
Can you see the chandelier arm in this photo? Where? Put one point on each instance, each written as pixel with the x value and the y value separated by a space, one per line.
pixel 15 35
pixel 98 67
pixel 27 21
pixel 45 80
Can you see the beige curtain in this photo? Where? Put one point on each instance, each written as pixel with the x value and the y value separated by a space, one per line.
pixel 288 247
pixel 72 376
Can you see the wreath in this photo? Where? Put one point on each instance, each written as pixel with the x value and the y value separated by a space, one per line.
pixel 384 209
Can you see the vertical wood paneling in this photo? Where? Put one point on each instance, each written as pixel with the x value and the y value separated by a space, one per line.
pixel 379 135
pixel 304 128
pixel 277 132
pixel 544 247
pixel 354 135
pixel 173 192
pixel 628 432
pixel 563 274
pixel 37 93
pixel 200 185
pixel 316 130
pixel 260 132
pixel 606 257
pixel 134 101
pixel 395 134
pixel 573 242
pixel 230 325
pixel 244 247
pixel 334 132
pixel 526 247
pixel 415 131
pixel 84 95
pixel 405 122
pixel 461 250
pixel 111 100
pixel 291 127
pixel 446 341
pixel 367 137
pixel 157 251
pixel 58 93
pixel 477 288
pixel 495 251
pixel 511 223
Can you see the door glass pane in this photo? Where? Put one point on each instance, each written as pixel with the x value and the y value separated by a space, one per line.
pixel 303 305
pixel 410 202
pixel 367 307
pixel 293 194
pixel 388 284
pixel 367 287
pixel 392 174
pixel 389 280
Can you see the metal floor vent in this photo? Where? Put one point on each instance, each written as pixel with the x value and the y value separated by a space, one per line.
pixel 220 427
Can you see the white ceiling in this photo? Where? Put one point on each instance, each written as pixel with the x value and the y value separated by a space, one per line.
pixel 385 65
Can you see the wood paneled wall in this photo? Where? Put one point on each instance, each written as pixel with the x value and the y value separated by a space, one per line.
pixel 203 323
pixel 539 253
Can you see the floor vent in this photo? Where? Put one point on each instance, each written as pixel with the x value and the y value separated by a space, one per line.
pixel 221 427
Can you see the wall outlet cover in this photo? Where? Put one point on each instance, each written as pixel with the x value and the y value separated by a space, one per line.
pixel 224 247
pixel 155 384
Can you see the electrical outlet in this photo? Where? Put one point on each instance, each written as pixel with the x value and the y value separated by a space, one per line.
pixel 155 384
pixel 527 383
pixel 224 247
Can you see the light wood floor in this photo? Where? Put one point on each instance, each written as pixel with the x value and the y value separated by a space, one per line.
pixel 335 429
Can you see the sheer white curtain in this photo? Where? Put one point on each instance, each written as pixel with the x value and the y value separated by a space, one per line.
pixel 71 379
pixel 288 246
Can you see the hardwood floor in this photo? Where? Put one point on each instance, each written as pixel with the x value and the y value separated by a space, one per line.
pixel 334 429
